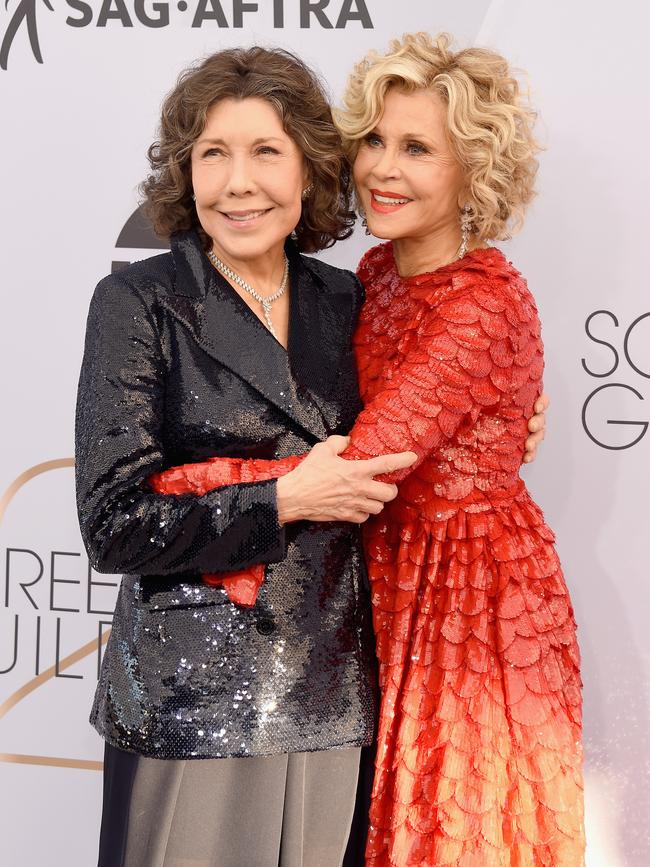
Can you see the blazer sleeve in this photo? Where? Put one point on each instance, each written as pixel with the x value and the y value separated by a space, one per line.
pixel 125 525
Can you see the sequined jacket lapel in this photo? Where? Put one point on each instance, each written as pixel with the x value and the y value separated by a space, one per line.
pixel 297 382
pixel 320 334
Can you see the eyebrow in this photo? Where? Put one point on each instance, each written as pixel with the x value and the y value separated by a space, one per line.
pixel 220 141
pixel 409 135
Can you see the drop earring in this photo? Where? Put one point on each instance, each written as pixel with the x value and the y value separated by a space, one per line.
pixel 465 230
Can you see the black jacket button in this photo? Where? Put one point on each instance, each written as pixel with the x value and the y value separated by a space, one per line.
pixel 265 626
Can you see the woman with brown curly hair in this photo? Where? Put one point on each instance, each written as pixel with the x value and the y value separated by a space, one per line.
pixel 479 760
pixel 233 731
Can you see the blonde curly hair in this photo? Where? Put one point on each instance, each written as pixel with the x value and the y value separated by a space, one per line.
pixel 490 124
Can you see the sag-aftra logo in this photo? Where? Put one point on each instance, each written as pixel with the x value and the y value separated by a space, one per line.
pixel 22 18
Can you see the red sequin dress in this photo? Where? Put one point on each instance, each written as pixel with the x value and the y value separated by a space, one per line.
pixel 479 744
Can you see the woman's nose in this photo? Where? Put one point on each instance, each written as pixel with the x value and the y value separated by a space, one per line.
pixel 387 165
pixel 241 179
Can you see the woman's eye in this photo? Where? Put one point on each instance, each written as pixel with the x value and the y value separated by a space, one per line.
pixel 213 152
pixel 373 140
pixel 267 150
pixel 415 148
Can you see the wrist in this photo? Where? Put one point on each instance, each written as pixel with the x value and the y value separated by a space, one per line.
pixel 288 510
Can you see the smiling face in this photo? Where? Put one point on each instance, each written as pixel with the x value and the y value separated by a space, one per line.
pixel 408 180
pixel 248 176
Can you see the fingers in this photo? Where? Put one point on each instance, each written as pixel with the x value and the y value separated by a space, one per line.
pixel 387 463
pixel 532 443
pixel 372 507
pixel 335 444
pixel 379 491
pixel 360 508
pixel 534 440
pixel 537 423
pixel 373 466
pixel 352 516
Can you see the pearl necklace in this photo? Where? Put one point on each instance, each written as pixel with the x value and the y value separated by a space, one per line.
pixel 264 302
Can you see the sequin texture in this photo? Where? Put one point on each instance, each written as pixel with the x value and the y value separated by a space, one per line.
pixel 176 369
pixel 479 758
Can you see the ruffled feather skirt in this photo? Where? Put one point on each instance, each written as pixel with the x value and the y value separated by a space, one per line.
pixel 479 759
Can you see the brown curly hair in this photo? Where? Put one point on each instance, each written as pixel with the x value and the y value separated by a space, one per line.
pixel 295 92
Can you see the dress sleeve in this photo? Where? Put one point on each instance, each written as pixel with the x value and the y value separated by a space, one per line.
pixel 463 356
pixel 471 349
pixel 441 381
pixel 127 526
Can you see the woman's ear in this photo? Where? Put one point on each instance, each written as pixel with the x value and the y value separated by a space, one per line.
pixel 307 185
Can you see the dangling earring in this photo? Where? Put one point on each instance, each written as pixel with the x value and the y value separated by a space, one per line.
pixel 364 222
pixel 193 197
pixel 465 230
pixel 306 192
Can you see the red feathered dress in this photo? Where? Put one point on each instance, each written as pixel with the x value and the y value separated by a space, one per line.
pixel 479 744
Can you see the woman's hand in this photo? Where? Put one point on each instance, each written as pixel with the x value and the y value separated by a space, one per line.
pixel 537 428
pixel 325 487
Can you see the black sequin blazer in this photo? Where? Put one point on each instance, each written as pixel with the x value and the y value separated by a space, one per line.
pixel 176 369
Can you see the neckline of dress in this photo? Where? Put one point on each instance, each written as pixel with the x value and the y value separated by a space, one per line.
pixel 455 265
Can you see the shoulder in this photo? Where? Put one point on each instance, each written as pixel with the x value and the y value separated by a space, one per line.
pixel 479 303
pixel 138 283
pixel 375 262
pixel 127 301
pixel 486 285
pixel 147 275
pixel 337 281
pixel 333 278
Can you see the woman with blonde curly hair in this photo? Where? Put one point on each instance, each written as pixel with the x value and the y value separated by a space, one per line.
pixel 479 745
pixel 479 758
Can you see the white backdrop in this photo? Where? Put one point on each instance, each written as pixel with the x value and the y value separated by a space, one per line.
pixel 75 132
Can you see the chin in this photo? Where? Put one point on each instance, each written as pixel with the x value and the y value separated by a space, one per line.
pixel 247 241
pixel 381 236
pixel 385 233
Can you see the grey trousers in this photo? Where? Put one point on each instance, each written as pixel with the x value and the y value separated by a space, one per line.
pixel 279 811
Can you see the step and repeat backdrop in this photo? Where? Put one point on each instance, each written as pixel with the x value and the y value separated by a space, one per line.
pixel 80 89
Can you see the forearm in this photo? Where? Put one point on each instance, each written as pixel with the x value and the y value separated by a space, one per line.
pixel 153 534
pixel 204 476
